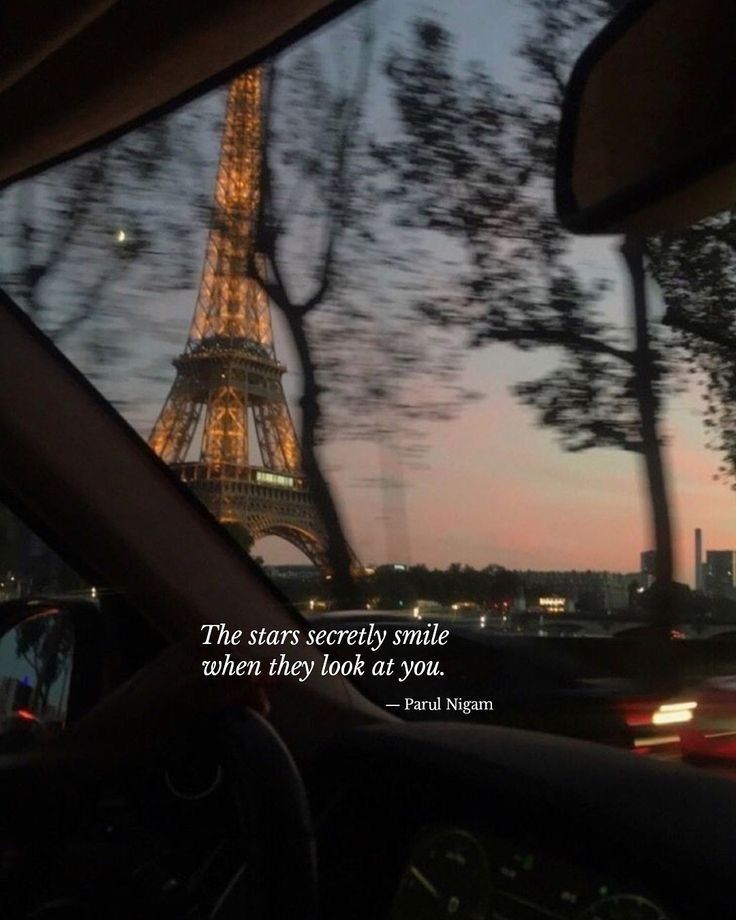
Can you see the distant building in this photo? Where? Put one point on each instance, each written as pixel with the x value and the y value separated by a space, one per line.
pixel 720 573
pixel 550 604
pixel 519 603
pixel 617 589
pixel 648 567
pixel 698 559
pixel 582 590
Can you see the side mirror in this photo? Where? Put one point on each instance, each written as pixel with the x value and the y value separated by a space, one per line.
pixel 648 134
pixel 50 667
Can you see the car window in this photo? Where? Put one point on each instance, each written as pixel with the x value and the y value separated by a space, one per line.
pixel 334 298
pixel 30 568
pixel 36 631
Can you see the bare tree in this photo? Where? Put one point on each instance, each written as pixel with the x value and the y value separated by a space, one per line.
pixel 695 269
pixel 475 161
pixel 330 167
pixel 334 267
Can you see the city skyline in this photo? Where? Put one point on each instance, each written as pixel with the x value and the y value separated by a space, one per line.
pixel 509 494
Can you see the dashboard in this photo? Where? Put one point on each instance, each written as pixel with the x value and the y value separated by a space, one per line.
pixel 427 821
pixel 453 872
pixel 411 822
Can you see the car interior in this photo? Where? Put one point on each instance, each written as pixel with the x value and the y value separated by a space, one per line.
pixel 164 793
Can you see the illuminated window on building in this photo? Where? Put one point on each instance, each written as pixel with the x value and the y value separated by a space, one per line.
pixel 275 479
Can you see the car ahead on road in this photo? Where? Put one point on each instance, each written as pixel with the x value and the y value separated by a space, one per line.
pixel 592 689
pixel 159 792
pixel 709 738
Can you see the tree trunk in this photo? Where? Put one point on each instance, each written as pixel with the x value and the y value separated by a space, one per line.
pixel 338 551
pixel 645 377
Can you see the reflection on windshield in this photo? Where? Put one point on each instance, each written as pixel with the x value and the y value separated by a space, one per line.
pixel 35 669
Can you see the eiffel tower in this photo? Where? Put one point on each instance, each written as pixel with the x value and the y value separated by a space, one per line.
pixel 228 380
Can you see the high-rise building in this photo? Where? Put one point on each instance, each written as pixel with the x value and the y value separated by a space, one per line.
pixel 698 559
pixel 648 567
pixel 720 572
pixel 225 427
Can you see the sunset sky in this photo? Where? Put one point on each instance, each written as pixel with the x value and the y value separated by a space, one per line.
pixel 497 489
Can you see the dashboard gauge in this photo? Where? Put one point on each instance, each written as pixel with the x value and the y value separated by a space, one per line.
pixel 447 877
pixel 624 907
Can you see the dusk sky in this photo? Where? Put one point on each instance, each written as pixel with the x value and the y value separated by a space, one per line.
pixel 491 487
pixel 497 489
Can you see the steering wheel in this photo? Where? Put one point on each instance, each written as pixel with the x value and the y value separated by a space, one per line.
pixel 269 797
pixel 229 839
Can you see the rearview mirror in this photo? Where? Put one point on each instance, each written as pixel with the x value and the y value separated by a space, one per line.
pixel 648 134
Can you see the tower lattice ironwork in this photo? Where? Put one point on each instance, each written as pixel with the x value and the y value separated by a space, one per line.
pixel 228 381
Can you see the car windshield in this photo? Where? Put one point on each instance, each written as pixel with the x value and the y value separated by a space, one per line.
pixel 334 298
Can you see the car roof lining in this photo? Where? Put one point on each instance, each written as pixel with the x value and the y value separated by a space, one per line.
pixel 77 77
